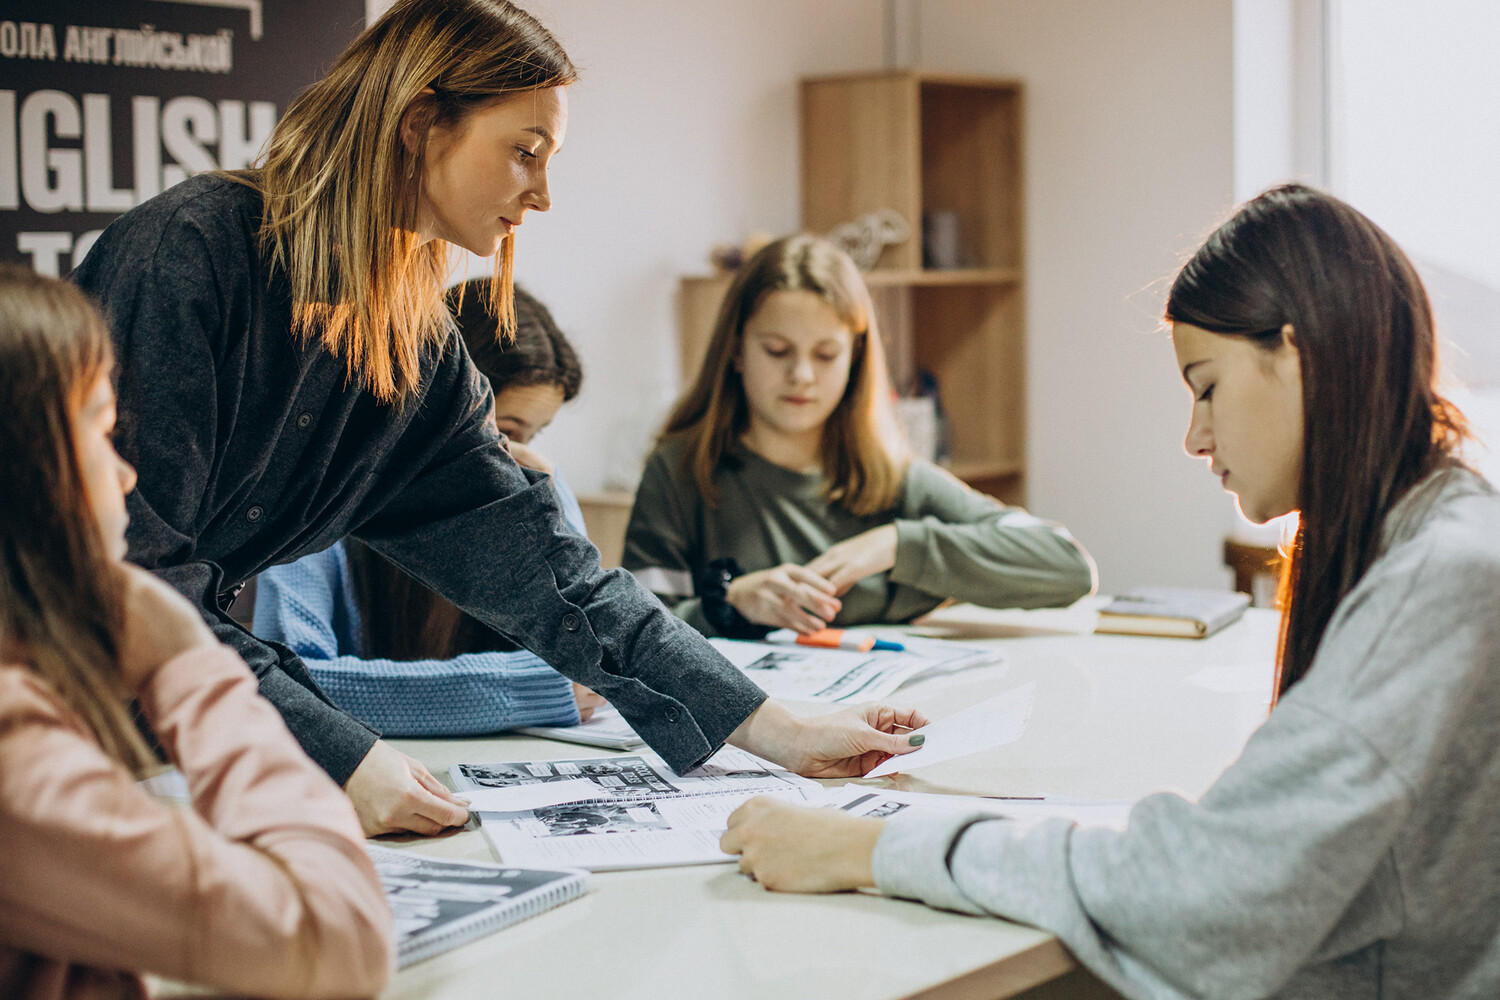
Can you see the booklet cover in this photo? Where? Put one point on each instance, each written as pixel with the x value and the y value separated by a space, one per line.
pixel 440 904
pixel 1172 611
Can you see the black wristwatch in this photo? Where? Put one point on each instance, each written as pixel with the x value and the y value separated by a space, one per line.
pixel 713 592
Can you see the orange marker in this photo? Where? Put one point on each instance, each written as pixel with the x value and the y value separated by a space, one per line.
pixel 827 638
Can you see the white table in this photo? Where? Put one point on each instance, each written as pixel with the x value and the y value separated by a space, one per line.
pixel 1115 717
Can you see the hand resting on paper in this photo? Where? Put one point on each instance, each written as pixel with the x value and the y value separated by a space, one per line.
pixel 588 701
pixel 790 848
pixel 393 793
pixel 842 744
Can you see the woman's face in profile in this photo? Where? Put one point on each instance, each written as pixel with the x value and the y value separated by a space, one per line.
pixel 1247 417
pixel 482 176
pixel 106 476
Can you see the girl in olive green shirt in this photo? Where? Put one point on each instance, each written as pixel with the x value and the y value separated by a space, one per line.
pixel 779 497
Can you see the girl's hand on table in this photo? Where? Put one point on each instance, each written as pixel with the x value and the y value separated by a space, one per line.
pixel 853 559
pixel 785 596
pixel 394 793
pixel 843 744
pixel 588 700
pixel 791 848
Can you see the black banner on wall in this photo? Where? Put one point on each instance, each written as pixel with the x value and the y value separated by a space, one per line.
pixel 106 103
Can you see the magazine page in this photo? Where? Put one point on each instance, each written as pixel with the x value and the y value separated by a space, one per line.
pixel 636 776
pixel 643 815
pixel 609 835
pixel 804 673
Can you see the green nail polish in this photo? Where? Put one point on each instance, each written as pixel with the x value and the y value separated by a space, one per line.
pixel 916 739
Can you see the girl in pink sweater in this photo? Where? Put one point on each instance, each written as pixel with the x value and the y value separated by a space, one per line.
pixel 263 886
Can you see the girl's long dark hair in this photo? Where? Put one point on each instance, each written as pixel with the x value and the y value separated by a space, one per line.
pixel 61 600
pixel 1374 421
pixel 403 619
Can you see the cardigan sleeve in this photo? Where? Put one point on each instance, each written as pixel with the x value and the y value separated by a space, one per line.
pixel 309 606
pixel 262 887
pixel 954 542
pixel 527 574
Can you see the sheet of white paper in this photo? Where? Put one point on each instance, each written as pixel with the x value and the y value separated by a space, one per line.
pixel 518 798
pixel 862 800
pixel 993 722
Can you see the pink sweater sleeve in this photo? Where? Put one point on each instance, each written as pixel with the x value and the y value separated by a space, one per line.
pixel 263 887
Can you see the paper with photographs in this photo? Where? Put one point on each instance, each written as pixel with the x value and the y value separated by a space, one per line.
pixel 805 673
pixel 635 776
pixel 644 816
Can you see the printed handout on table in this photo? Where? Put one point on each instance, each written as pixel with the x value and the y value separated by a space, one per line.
pixel 804 673
pixel 640 815
pixel 879 803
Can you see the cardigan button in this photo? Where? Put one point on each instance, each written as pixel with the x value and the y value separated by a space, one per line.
pixel 304 420
pixel 255 513
pixel 670 713
pixel 570 622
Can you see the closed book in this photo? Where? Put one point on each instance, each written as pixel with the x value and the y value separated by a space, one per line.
pixel 438 905
pixel 1172 611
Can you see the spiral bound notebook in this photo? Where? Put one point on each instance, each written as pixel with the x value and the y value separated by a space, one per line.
pixel 440 905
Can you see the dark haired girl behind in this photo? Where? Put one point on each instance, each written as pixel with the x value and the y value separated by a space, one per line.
pixel 390 650
pixel 1354 848
pixel 263 886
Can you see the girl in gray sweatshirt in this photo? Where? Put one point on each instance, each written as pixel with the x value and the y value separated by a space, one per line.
pixel 1353 850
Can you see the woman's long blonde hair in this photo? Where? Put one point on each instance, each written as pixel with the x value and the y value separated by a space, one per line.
pixel 341 187
pixel 863 458
pixel 61 601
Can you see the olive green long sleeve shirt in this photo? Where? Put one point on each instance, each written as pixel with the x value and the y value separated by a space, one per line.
pixel 953 542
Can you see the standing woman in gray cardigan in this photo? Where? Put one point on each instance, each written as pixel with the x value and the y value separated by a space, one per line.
pixel 289 375
pixel 1354 848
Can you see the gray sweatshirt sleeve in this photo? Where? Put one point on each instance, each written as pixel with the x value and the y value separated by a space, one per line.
pixel 1292 859
pixel 955 542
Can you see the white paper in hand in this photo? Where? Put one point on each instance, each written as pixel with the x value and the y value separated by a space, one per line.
pixel 993 722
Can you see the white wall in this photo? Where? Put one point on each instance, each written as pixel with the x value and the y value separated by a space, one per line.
pixel 682 133
pixel 1129 164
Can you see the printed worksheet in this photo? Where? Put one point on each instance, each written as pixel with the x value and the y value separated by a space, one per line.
pixel 805 673
pixel 640 815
